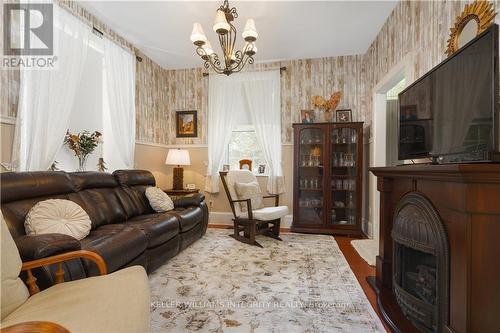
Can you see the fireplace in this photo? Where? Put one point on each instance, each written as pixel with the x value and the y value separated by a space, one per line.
pixel 420 263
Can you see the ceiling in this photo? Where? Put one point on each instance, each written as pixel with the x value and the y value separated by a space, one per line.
pixel 287 29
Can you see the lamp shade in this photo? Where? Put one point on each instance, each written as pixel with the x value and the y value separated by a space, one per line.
pixel 178 157
pixel 198 35
pixel 221 26
pixel 250 33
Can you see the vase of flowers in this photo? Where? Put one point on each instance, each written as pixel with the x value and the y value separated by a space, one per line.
pixel 82 144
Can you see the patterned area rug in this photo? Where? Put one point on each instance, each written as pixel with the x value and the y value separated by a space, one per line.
pixel 218 284
pixel 367 249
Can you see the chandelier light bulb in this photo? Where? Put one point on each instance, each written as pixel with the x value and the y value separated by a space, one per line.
pixel 250 48
pixel 221 26
pixel 250 33
pixel 198 35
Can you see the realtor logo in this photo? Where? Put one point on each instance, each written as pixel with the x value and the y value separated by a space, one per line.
pixel 28 29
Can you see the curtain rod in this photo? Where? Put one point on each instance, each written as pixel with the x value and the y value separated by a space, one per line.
pixel 281 70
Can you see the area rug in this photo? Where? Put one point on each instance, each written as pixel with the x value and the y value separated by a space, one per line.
pixel 302 284
pixel 367 249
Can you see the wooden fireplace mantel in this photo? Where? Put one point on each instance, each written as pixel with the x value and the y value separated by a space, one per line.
pixel 467 199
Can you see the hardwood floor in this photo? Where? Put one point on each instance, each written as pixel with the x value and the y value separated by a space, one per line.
pixel 361 270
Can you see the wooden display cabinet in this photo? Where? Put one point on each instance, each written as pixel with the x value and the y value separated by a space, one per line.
pixel 327 178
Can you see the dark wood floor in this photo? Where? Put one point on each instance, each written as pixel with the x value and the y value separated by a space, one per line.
pixel 361 270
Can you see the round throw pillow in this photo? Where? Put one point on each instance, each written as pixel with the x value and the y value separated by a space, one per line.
pixel 57 216
pixel 159 200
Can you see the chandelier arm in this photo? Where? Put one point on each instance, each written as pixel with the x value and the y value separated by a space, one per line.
pixel 210 60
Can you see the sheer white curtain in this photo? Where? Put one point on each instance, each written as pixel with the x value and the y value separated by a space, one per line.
pixel 224 96
pixel 46 96
pixel 262 95
pixel 119 113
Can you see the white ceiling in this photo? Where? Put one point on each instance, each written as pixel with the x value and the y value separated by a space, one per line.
pixel 287 29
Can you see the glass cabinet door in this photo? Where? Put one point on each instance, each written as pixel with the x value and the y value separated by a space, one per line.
pixel 343 176
pixel 310 175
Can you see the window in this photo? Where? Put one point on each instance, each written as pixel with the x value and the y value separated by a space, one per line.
pixel 243 144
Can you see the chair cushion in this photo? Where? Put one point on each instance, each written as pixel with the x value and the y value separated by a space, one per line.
pixel 159 200
pixel 158 228
pixel 118 302
pixel 13 291
pixel 269 213
pixel 238 176
pixel 118 244
pixel 188 217
pixel 249 191
pixel 57 216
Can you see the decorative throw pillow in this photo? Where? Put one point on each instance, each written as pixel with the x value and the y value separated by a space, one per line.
pixel 249 191
pixel 57 216
pixel 159 200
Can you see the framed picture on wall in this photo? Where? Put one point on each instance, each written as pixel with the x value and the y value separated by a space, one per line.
pixel 343 116
pixel 186 124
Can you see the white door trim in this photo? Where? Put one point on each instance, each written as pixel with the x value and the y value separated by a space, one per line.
pixel 402 70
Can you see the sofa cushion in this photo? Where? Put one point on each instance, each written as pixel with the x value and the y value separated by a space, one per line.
pixel 102 205
pixel 159 200
pixel 188 217
pixel 118 302
pixel 135 183
pixel 15 212
pixel 118 244
pixel 13 291
pixel 158 228
pixel 57 216
pixel 26 185
pixel 134 177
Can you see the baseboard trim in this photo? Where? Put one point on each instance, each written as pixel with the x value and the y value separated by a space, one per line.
pixel 226 219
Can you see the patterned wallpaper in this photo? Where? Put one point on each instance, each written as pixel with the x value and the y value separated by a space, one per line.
pixel 188 90
pixel 417 28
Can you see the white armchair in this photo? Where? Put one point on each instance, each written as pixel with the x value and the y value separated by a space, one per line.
pixel 118 302
pixel 250 221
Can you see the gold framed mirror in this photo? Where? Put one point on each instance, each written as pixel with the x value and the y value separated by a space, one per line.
pixel 475 18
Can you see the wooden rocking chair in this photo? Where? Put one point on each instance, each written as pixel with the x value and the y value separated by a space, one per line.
pixel 264 221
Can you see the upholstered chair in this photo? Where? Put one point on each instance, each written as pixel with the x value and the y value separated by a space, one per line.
pixel 118 302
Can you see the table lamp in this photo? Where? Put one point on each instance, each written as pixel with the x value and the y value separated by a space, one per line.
pixel 178 157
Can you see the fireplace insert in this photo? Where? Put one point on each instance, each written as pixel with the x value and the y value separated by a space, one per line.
pixel 420 263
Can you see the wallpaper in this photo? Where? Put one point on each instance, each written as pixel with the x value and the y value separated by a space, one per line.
pixel 188 90
pixel 419 29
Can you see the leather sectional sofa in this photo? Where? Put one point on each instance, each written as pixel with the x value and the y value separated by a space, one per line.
pixel 125 229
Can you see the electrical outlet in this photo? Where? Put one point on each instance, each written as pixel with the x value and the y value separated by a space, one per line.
pixel 210 204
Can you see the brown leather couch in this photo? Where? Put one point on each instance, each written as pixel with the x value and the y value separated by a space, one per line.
pixel 126 231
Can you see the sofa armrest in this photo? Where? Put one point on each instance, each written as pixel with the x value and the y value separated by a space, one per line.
pixel 189 200
pixel 41 246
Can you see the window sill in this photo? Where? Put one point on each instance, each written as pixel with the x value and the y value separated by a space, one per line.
pixel 261 175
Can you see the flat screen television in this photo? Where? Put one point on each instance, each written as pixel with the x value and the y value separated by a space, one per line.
pixel 450 114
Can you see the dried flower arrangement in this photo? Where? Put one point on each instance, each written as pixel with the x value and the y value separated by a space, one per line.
pixel 82 145
pixel 330 104
pixel 327 105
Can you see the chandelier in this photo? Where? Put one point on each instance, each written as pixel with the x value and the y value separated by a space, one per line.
pixel 233 61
